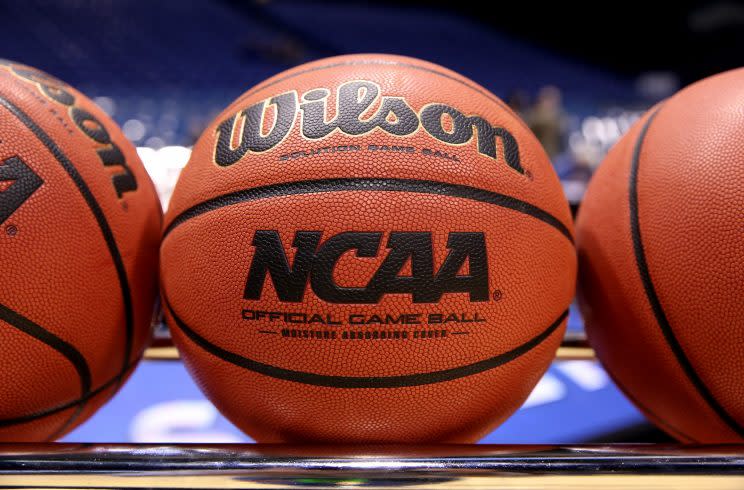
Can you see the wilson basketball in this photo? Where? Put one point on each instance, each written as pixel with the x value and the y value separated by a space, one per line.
pixel 660 237
pixel 367 248
pixel 79 231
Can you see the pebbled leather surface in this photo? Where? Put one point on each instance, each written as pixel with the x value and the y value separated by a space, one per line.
pixel 279 388
pixel 689 215
pixel 63 332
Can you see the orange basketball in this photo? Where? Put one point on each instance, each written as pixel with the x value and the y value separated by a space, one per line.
pixel 660 237
pixel 367 248
pixel 79 230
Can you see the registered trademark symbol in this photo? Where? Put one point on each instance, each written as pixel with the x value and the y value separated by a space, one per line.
pixel 497 295
pixel 11 230
pixel 528 174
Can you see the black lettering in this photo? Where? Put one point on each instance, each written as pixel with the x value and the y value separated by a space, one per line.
pixel 355 115
pixel 123 181
pixel 87 123
pixel 315 263
pixel 487 136
pixel 463 247
pixel 374 319
pixel 248 124
pixel 354 99
pixel 58 93
pixel 314 124
pixel 323 284
pixel 405 246
pixel 110 154
pixel 270 258
pixel 296 318
pixel 25 182
pixel 462 132
pixel 49 86
pixel 396 117
pixel 431 119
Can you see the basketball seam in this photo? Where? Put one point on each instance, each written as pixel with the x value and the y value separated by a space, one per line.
pixel 333 381
pixel 67 423
pixel 68 351
pixel 651 295
pixel 482 92
pixel 651 414
pixel 99 216
pixel 23 419
pixel 369 184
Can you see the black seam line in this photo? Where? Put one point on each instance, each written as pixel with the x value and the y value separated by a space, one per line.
pixel 650 414
pixel 67 423
pixel 366 382
pixel 484 93
pixel 370 184
pixel 67 350
pixel 23 419
pixel 97 213
pixel 653 298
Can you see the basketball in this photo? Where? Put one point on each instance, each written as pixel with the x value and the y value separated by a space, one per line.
pixel 659 237
pixel 367 248
pixel 79 233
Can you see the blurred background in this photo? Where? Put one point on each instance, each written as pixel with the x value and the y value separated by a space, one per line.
pixel 579 77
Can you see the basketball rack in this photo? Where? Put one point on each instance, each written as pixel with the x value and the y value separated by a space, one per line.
pixel 275 466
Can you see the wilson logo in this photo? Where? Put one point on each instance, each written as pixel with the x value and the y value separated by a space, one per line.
pixel 108 152
pixel 245 131
pixel 314 262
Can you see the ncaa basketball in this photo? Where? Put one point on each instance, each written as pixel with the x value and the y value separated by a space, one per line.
pixel 350 244
pixel 339 213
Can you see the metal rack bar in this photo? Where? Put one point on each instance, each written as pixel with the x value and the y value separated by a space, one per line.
pixel 436 466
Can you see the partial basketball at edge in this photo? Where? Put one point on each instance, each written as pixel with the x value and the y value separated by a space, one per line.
pixel 660 238
pixel 79 233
